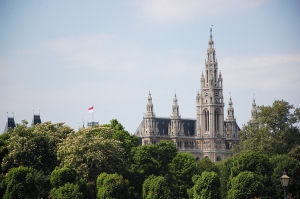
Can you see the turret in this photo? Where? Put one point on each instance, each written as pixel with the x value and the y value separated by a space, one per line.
pixel 253 111
pixel 230 110
pixel 149 118
pixel 175 118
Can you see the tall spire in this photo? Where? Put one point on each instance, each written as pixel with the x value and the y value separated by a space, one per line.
pixel 149 107
pixel 230 110
pixel 175 108
pixel 253 111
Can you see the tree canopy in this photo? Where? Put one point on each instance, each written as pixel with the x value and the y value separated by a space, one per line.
pixel 277 131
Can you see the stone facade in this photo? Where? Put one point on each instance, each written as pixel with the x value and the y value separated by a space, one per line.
pixel 207 135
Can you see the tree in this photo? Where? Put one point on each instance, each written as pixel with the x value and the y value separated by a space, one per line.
pixel 252 161
pixel 257 163
pixel 156 187
pixel 21 184
pixel 277 131
pixel 128 141
pixel 35 146
pixel 205 164
pixel 245 185
pixel 93 151
pixel 61 176
pixel 207 186
pixel 225 172
pixel 280 164
pixel 182 169
pixel 67 191
pixel 112 186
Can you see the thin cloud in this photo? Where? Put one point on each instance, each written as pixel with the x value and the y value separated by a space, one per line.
pixel 186 10
pixel 263 72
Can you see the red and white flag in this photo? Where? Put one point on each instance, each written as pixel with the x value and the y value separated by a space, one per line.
pixel 91 109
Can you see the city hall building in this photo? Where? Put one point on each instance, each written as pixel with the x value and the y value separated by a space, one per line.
pixel 210 134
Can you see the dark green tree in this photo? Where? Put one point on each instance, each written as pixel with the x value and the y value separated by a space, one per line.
pixel 21 183
pixel 205 164
pixel 207 186
pixel 128 141
pixel 182 169
pixel 67 191
pixel 156 187
pixel 280 164
pixel 112 186
pixel 150 159
pixel 224 168
pixel 257 163
pixel 61 176
pixel 245 185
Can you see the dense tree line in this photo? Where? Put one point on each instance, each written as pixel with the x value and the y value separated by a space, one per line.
pixel 53 161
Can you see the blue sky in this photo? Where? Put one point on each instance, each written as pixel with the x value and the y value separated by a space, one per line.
pixel 61 57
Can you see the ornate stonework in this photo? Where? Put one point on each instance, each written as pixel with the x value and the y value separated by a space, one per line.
pixel 207 135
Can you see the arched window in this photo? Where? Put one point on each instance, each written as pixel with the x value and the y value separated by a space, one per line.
pixel 217 116
pixel 206 117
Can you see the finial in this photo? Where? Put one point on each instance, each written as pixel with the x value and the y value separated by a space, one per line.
pixel 39 112
pixel 211 30
pixel 230 94
pixel 33 111
pixel 7 114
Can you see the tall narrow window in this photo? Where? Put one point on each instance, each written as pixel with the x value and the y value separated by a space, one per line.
pixel 217 120
pixel 206 116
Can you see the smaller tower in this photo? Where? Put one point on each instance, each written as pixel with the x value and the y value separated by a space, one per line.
pixel 174 126
pixel 231 128
pixel 149 118
pixel 253 119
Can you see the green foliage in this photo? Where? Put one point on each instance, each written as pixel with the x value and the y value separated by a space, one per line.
pixel 207 186
pixel 225 171
pixel 112 186
pixel 257 163
pixel 61 176
pixel 277 132
pixel 150 159
pixel 153 158
pixel 128 141
pixel 182 169
pixel 67 191
pixel 291 166
pixel 35 146
pixel 3 147
pixel 245 185
pixel 252 161
pixel 156 187
pixel 21 183
pixel 93 151
pixel 205 164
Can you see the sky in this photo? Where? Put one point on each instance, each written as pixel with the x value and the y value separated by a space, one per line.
pixel 58 58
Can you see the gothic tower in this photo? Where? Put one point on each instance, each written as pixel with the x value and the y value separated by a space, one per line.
pixel 174 126
pixel 149 118
pixel 210 107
